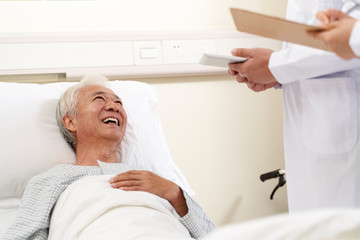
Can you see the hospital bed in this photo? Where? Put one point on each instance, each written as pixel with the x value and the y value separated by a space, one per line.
pixel 31 143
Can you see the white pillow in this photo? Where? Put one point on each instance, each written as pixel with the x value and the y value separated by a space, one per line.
pixel 31 141
pixel 8 211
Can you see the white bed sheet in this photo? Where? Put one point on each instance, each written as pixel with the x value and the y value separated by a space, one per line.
pixel 90 209
pixel 326 224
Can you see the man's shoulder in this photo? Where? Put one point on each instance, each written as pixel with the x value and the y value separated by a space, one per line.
pixel 64 173
pixel 53 172
pixel 51 175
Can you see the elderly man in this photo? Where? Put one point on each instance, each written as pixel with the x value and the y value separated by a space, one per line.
pixel 93 121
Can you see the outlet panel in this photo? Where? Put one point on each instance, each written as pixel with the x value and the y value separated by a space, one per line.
pixel 186 51
pixel 118 55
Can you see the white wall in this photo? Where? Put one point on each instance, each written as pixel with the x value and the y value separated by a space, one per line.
pixel 224 136
pixel 125 15
pixel 221 135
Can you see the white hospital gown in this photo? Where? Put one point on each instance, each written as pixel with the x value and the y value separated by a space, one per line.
pixel 42 192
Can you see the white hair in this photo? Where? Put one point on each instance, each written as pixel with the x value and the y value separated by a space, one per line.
pixel 68 103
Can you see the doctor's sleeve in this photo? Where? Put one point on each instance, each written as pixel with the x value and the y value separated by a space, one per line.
pixel 297 62
pixel 355 39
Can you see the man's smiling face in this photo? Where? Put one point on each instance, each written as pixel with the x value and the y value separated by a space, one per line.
pixel 100 115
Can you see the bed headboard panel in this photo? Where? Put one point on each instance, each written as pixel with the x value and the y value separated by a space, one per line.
pixel 69 56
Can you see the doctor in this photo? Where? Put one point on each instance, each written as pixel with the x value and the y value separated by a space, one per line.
pixel 321 95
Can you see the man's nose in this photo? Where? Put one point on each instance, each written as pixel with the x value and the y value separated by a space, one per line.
pixel 112 106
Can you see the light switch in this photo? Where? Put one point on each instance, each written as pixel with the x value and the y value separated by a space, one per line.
pixel 148 53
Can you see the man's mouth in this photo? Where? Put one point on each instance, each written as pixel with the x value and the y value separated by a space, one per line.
pixel 111 120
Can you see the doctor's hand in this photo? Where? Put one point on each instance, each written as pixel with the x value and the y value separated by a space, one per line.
pixel 336 37
pixel 255 71
pixel 150 182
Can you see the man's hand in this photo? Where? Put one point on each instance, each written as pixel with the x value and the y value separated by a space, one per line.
pixel 149 182
pixel 255 71
pixel 336 37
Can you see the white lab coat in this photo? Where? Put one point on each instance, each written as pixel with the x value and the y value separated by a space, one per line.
pixel 321 95
pixel 355 39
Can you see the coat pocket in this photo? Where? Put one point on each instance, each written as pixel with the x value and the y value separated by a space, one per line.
pixel 329 114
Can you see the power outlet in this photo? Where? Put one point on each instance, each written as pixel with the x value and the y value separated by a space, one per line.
pixel 186 51
pixel 176 52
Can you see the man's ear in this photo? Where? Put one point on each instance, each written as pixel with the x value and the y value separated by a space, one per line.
pixel 69 123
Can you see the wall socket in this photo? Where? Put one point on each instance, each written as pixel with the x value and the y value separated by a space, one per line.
pixel 176 52
pixel 186 51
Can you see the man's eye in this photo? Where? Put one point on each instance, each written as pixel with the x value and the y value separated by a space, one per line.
pixel 99 98
pixel 118 102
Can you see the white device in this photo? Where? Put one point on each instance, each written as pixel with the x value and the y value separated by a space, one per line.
pixel 220 60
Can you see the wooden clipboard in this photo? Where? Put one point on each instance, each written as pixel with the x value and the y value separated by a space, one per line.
pixel 276 28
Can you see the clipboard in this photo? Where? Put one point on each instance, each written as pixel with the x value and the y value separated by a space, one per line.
pixel 276 28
